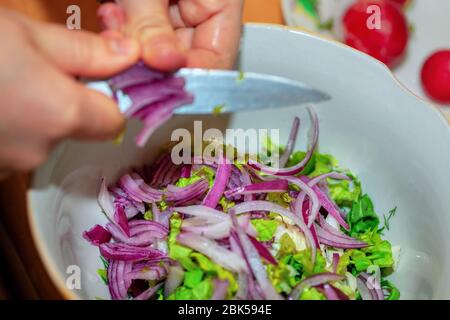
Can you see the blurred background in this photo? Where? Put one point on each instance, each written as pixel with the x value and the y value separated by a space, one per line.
pixel 414 30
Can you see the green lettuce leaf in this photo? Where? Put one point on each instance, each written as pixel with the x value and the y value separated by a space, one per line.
pixel 312 294
pixel 362 217
pixel 291 269
pixel 193 278
pixel 394 293
pixel 184 182
pixel 344 192
pixel 287 246
pixel 265 228
pixel 379 252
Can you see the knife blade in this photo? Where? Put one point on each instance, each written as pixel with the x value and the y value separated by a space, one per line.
pixel 232 91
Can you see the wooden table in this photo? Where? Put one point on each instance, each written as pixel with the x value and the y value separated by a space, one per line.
pixel 22 273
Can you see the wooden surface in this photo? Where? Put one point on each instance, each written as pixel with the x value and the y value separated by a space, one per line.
pixel 22 274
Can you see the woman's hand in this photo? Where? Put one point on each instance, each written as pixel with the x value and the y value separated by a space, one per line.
pixel 41 102
pixel 174 34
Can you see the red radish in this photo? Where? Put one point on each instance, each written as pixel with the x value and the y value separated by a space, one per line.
pixel 378 28
pixel 436 76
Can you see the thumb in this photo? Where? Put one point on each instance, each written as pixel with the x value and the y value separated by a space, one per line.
pixel 83 53
pixel 148 21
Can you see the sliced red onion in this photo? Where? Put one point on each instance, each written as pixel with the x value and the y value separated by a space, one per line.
pixel 121 219
pixel 186 171
pixel 156 272
pixel 209 214
pixel 97 235
pixel 291 143
pixel 220 289
pixel 154 96
pixel 159 90
pixel 363 289
pixel 330 239
pixel 372 283
pixel 220 182
pixel 294 170
pixel 327 204
pixel 335 261
pixel 163 172
pixel 305 217
pixel 138 190
pixel 174 279
pixel 262 187
pixel 254 262
pixel 138 74
pixel 218 230
pixel 330 229
pixel 330 293
pixel 260 205
pixel 105 200
pixel 142 233
pixel 226 258
pixel 155 115
pixel 246 180
pixel 118 283
pixel 131 207
pixel 311 193
pixel 124 252
pixel 263 251
pixel 150 292
pixel 312 281
pixel 114 214
pixel 180 195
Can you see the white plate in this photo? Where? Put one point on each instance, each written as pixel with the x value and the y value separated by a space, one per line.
pixel 431 23
pixel 396 143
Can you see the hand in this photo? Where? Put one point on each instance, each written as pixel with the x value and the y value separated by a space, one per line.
pixel 173 34
pixel 41 102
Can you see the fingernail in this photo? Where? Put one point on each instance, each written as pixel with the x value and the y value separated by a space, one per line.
pixel 121 46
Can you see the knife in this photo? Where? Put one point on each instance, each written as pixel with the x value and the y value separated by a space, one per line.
pixel 232 91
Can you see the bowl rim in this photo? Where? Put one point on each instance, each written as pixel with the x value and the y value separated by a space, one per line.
pixel 42 250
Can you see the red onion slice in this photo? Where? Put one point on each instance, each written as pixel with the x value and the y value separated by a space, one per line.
pixel 262 187
pixel 291 143
pixel 294 170
pixel 97 235
pixel 124 252
pixel 312 281
pixel 254 262
pixel 220 182
pixel 226 258
pixel 150 292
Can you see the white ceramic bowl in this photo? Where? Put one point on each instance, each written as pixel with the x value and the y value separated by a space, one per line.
pixel 397 144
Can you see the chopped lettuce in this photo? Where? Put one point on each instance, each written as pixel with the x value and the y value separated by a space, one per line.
pixel 287 246
pixel 200 270
pixel 148 215
pixel 226 204
pixel 379 252
pixel 394 293
pixel 362 217
pixel 292 268
pixel 312 294
pixel 184 182
pixel 344 192
pixel 265 228
pixel 193 277
pixel 324 163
